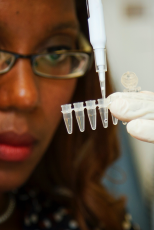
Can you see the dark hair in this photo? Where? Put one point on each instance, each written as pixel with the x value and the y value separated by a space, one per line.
pixel 73 166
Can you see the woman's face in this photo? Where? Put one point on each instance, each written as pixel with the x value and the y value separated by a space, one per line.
pixel 30 106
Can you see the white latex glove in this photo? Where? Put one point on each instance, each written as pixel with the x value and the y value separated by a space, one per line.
pixel 138 110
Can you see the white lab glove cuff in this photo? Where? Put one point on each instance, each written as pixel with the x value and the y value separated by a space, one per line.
pixel 142 130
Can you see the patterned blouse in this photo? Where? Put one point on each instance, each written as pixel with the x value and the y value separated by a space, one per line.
pixel 40 214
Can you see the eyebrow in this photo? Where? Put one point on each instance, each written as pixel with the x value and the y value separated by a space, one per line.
pixel 66 25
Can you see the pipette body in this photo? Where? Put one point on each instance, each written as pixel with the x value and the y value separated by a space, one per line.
pixel 98 39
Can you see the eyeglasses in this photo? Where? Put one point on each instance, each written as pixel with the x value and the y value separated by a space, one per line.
pixel 60 64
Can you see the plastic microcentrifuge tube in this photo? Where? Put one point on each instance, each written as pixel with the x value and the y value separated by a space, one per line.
pixel 91 110
pixel 79 112
pixel 67 115
pixel 103 109
pixel 124 123
pixel 114 120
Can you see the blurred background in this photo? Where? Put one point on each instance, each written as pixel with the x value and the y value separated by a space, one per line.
pixel 130 47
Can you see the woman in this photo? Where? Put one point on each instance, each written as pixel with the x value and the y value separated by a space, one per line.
pixel 54 169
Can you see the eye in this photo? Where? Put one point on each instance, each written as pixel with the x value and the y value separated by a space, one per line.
pixel 54 58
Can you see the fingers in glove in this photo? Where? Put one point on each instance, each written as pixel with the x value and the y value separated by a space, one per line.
pixel 120 109
pixel 142 130
pixel 127 106
pixel 147 92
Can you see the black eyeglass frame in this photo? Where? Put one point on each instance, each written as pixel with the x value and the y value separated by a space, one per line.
pixel 84 48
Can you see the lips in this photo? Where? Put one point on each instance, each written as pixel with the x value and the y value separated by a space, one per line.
pixel 14 147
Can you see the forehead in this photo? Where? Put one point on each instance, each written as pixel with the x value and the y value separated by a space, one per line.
pixel 35 17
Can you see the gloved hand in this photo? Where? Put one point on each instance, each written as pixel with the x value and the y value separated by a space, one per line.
pixel 138 110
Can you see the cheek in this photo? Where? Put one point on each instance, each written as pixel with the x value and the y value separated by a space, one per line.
pixel 54 94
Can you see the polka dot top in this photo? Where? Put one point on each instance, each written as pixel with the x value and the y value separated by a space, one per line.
pixel 40 213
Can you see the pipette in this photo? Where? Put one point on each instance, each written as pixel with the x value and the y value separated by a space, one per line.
pixel 98 39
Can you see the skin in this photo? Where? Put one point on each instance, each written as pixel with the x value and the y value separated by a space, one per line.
pixel 29 103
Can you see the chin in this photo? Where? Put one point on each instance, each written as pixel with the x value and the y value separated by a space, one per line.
pixel 10 181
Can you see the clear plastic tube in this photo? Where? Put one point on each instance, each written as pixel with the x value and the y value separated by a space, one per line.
pixel 114 120
pixel 104 116
pixel 91 110
pixel 103 109
pixel 79 112
pixel 68 119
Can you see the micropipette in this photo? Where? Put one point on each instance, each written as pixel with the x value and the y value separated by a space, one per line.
pixel 98 39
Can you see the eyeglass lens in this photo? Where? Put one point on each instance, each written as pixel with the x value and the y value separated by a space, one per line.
pixel 6 60
pixel 61 65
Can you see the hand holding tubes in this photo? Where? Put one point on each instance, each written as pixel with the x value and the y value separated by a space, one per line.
pixel 138 110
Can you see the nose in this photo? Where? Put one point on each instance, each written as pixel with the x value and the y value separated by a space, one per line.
pixel 19 88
